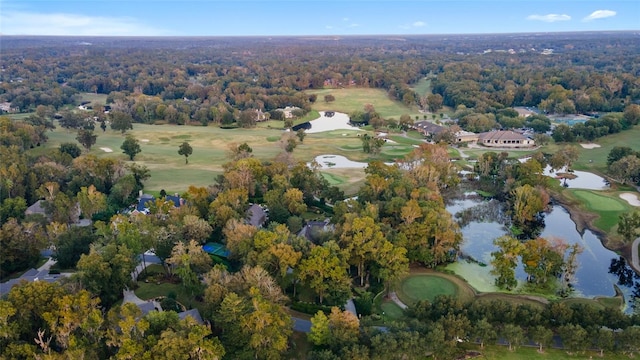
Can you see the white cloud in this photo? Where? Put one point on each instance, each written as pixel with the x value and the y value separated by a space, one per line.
pixel 353 25
pixel 415 24
pixel 328 27
pixel 345 19
pixel 419 24
pixel 31 23
pixel 549 17
pixel 600 14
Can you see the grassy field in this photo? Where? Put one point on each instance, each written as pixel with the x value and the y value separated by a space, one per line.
pixel 94 98
pixel 496 352
pixel 350 100
pixel 422 87
pixel 211 145
pixel 596 159
pixel 425 287
pixel 606 204
pixel 151 290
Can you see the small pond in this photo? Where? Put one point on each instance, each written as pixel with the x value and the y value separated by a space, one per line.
pixel 599 268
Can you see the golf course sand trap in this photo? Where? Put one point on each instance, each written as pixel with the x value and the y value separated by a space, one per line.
pixel 590 146
pixel 144 140
pixel 324 123
pixel 106 149
pixel 632 199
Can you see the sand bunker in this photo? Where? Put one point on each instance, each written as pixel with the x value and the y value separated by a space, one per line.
pixel 632 199
pixel 590 146
pixel 106 149
pixel 144 140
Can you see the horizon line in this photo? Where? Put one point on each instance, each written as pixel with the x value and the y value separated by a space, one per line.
pixel 327 35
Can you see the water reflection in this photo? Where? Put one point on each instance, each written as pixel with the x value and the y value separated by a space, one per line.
pixel 600 269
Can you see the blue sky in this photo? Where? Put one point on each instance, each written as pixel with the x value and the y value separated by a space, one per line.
pixel 311 17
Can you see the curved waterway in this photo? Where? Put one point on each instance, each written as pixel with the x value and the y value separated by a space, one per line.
pixel 599 271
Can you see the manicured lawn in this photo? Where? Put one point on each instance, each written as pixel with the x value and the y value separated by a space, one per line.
pixel 422 87
pixel 211 146
pixel 352 99
pixel 94 98
pixel 405 140
pixel 596 159
pixel 495 352
pixel 425 287
pixel 607 204
pixel 392 312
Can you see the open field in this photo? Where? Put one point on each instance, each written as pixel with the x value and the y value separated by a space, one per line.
pixel 211 144
pixel 422 87
pixel 94 98
pixel 497 352
pixel 596 159
pixel 350 100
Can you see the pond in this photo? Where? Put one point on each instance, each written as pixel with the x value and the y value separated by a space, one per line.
pixel 599 269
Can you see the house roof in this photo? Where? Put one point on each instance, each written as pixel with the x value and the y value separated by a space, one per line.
pixel 256 215
pixel 429 127
pixel 36 208
pixel 142 203
pixel 194 313
pixel 177 201
pixel 501 135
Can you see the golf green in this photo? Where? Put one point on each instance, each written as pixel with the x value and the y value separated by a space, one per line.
pixel 425 287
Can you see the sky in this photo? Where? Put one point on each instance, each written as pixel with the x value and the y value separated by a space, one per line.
pixel 311 17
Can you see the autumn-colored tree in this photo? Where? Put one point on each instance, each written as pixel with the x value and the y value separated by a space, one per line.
pixel 361 238
pixel 91 201
pixel 324 269
pixel 505 261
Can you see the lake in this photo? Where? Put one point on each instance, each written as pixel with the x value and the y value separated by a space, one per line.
pixel 600 269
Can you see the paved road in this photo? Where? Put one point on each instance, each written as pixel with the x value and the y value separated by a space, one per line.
pixel 635 260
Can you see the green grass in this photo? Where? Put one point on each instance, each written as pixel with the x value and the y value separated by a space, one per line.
pixel 405 140
pixel 595 160
pixel 333 179
pixel 94 98
pixel 211 146
pixel 151 290
pixel 392 312
pixel 422 87
pixel 352 99
pixel 425 287
pixel 496 352
pixel 606 204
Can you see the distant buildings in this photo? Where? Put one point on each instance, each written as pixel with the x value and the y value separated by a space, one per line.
pixel 505 139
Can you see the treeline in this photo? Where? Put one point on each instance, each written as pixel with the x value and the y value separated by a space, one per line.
pixel 440 328
pixel 214 83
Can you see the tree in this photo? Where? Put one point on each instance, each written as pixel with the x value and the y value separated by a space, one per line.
pixel 513 335
pixel 320 333
pixel 505 261
pixel 483 332
pixel 325 269
pixel 542 336
pixel 185 150
pixel 72 149
pixel 574 337
pixel 602 339
pixel 188 340
pixel 131 147
pixel 120 121
pixel 72 244
pixel 435 102
pixel 329 98
pixel 87 138
pixel 301 134
pixel 91 201
pixel 629 226
pixel 361 238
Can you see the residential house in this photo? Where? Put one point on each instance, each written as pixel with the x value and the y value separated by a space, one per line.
pixel 427 128
pixel 313 229
pixel 256 215
pixel 505 139
pixel 465 136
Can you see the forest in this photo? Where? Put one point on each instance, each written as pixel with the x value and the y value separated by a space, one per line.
pixel 276 275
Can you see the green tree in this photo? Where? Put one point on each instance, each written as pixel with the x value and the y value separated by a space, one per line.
pixel 483 332
pixel 542 336
pixel 629 226
pixel 72 149
pixel 87 138
pixel 361 238
pixel 320 332
pixel 185 150
pixel 91 201
pixel 120 121
pixel 505 260
pixel 513 335
pixel 574 337
pixel 72 244
pixel 131 146
pixel 188 340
